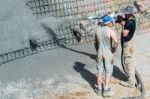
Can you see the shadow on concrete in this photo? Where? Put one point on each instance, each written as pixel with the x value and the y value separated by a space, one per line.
pixel 91 78
pixel 49 31
pixel 118 74
pixel 86 74
pixel 84 53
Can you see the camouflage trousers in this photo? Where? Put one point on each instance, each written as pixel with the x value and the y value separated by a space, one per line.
pixel 129 61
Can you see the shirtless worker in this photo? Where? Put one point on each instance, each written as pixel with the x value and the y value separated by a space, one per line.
pixel 105 52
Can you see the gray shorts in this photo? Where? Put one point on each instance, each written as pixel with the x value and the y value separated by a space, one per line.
pixel 104 64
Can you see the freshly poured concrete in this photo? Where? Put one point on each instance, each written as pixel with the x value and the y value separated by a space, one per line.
pixel 18 25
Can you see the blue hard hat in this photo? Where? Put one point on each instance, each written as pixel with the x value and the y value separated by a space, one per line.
pixel 107 19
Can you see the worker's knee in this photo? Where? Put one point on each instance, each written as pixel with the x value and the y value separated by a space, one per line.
pixel 100 67
pixel 109 70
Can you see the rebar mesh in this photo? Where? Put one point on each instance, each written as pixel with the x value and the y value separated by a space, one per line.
pixel 70 11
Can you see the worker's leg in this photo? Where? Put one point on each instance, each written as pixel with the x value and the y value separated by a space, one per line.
pixel 100 69
pixel 108 74
pixel 108 69
pixel 129 65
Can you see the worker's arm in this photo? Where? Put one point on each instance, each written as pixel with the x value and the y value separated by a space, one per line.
pixel 130 25
pixel 116 41
pixel 96 42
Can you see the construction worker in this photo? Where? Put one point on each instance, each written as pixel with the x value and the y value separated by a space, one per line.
pixel 105 52
pixel 128 45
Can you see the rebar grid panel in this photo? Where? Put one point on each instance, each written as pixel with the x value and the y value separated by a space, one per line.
pixel 75 8
pixel 62 8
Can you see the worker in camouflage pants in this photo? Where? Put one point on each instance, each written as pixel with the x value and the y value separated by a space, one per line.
pixel 128 48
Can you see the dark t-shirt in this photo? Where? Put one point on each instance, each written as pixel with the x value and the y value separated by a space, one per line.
pixel 131 26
